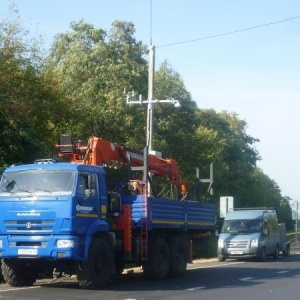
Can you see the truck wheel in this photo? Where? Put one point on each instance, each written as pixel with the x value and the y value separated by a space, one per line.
pixel 276 253
pixel 96 271
pixel 18 273
pixel 221 258
pixel 178 256
pixel 287 250
pixel 263 255
pixel 158 264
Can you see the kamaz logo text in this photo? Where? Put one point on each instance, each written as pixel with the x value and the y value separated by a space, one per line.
pixel 32 214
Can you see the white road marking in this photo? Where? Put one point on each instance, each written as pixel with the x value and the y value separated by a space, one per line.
pixel 246 278
pixel 196 288
pixel 282 272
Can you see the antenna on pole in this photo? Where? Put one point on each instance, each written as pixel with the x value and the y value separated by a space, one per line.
pixel 150 22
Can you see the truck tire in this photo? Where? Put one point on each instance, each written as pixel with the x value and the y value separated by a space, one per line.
pixel 96 271
pixel 18 273
pixel 178 256
pixel 221 258
pixel 158 264
pixel 276 253
pixel 286 251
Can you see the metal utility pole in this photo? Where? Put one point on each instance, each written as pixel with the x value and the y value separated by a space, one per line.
pixel 297 220
pixel 149 132
pixel 150 101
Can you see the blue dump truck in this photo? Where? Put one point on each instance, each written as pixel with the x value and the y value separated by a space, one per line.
pixel 68 216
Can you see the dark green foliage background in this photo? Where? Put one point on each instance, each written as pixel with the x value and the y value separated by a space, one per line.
pixel 78 87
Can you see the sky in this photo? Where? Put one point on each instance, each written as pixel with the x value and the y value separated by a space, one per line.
pixel 233 55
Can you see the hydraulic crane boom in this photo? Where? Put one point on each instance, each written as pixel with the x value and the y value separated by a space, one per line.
pixel 101 152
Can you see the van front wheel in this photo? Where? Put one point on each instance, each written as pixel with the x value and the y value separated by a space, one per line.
pixel 263 255
pixel 276 253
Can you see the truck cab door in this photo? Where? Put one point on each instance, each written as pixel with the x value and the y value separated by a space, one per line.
pixel 87 200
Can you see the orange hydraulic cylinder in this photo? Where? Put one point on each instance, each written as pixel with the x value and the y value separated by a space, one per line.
pixel 127 219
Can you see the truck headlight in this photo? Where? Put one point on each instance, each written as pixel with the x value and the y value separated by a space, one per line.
pixel 254 243
pixel 65 243
pixel 220 243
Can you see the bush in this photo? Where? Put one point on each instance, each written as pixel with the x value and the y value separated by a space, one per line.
pixel 205 247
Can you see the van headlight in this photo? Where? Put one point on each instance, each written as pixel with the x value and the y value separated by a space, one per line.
pixel 254 243
pixel 65 243
pixel 220 243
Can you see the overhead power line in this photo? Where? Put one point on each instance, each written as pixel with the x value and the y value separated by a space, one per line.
pixel 228 33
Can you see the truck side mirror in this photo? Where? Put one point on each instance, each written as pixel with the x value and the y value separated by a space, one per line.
pixel 266 231
pixel 91 181
pixel 89 193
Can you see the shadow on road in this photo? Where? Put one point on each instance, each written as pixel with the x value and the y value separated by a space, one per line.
pixel 209 275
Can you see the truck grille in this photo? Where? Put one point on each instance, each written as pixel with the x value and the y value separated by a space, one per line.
pixel 237 244
pixel 29 225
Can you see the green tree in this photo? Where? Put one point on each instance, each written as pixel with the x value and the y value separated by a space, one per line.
pixel 94 69
pixel 27 99
pixel 236 158
pixel 174 128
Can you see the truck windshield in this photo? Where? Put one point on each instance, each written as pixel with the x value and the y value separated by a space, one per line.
pixel 37 183
pixel 242 226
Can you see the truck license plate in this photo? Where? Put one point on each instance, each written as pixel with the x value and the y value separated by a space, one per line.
pixel 236 252
pixel 27 251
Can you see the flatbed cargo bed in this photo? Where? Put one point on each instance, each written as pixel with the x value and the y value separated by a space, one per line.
pixel 168 213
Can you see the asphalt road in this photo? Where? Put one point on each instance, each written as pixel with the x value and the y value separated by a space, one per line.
pixel 232 279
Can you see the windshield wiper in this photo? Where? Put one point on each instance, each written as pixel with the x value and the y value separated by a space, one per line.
pixel 49 192
pixel 26 191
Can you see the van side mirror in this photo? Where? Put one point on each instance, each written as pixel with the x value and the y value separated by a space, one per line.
pixel 266 231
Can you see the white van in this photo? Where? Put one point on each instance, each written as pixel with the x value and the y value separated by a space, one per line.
pixel 249 232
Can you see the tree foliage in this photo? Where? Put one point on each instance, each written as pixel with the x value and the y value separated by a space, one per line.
pixel 28 101
pixel 94 69
pixel 79 88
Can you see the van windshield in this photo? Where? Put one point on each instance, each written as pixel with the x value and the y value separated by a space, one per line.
pixel 37 183
pixel 242 226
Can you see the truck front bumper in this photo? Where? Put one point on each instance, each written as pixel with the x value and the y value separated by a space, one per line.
pixel 48 247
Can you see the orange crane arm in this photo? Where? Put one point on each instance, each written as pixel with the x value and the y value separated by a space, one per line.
pixel 101 152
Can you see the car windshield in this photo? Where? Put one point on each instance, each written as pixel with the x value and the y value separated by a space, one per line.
pixel 242 226
pixel 37 183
